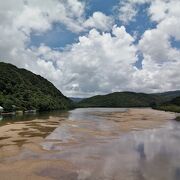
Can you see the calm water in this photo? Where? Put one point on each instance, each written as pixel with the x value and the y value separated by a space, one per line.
pixel 31 116
pixel 96 149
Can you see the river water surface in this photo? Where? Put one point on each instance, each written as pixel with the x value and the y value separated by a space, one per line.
pixel 91 144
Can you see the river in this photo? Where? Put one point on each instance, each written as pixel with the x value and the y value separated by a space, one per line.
pixel 91 144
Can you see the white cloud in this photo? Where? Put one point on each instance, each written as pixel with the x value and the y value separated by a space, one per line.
pixel 162 61
pixel 39 15
pixel 160 9
pixel 128 9
pixel 127 12
pixel 32 19
pixel 99 63
pixel 99 21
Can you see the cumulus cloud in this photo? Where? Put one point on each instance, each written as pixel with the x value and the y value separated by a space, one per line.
pixel 99 63
pixel 37 15
pixel 99 21
pixel 161 60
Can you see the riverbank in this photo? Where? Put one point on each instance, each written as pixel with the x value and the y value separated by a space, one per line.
pixel 170 108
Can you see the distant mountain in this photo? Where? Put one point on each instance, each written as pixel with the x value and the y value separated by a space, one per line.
pixel 168 96
pixel 75 99
pixel 122 99
pixel 129 99
pixel 23 90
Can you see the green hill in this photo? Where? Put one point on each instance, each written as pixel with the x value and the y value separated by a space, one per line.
pixel 173 105
pixel 24 90
pixel 130 99
pixel 121 99
pixel 176 101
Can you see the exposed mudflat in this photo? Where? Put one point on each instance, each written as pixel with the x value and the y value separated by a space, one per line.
pixel 92 143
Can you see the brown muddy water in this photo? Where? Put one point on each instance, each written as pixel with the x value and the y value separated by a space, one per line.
pixel 91 144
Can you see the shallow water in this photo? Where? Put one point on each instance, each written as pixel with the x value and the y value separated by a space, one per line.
pixel 98 143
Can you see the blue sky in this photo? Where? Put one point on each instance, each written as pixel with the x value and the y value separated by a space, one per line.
pixel 175 43
pixel 57 37
pixel 106 6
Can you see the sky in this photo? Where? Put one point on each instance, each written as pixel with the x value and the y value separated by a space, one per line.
pixel 90 47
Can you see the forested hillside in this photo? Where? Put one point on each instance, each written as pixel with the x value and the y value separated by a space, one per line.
pixel 131 99
pixel 173 105
pixel 22 90
pixel 121 99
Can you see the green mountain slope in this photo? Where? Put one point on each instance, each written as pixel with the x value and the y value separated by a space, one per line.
pixel 168 96
pixel 25 90
pixel 173 105
pixel 121 99
pixel 176 101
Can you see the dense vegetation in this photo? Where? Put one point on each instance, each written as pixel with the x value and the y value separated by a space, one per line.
pixel 121 99
pixel 173 105
pixel 178 118
pixel 22 90
pixel 129 99
pixel 168 96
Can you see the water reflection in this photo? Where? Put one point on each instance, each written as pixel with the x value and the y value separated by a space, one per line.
pixel 89 113
pixel 177 173
pixel 140 155
pixel 32 116
pixel 97 149
pixel 140 150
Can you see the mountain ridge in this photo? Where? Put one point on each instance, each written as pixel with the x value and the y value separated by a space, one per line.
pixel 128 99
